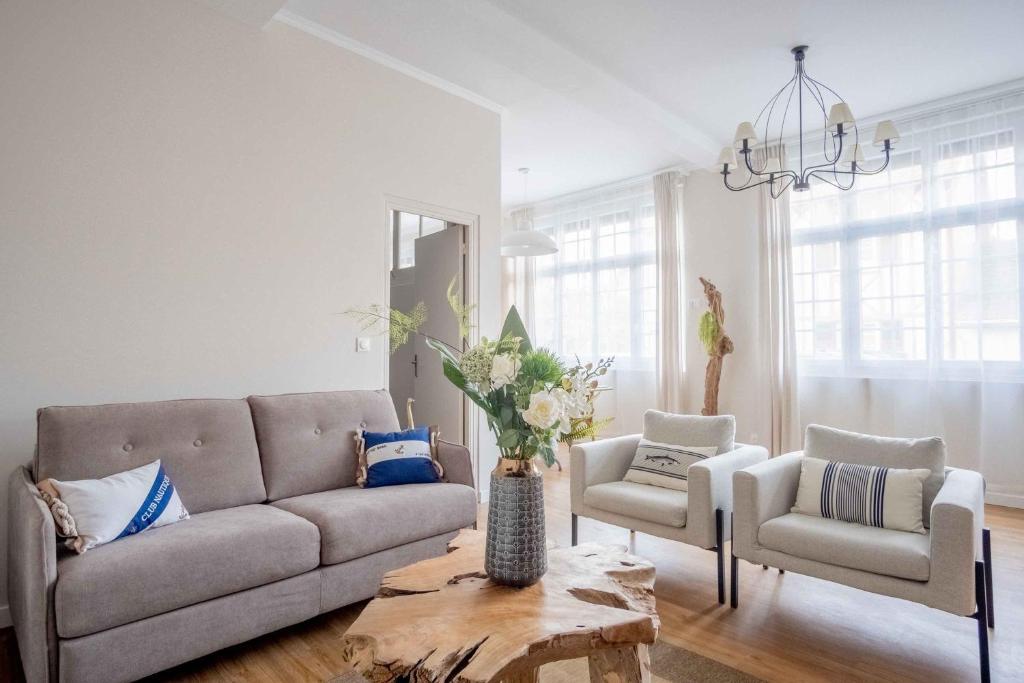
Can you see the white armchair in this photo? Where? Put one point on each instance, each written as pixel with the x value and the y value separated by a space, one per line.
pixel 699 516
pixel 947 568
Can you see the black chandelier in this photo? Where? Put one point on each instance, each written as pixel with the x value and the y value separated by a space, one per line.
pixel 844 161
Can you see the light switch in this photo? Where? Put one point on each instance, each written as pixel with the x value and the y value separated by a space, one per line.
pixel 362 344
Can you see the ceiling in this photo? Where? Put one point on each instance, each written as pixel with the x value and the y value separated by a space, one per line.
pixel 594 91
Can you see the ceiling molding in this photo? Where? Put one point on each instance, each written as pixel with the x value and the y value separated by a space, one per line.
pixel 589 192
pixel 331 36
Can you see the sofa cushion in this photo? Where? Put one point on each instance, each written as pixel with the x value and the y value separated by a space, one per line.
pixel 641 501
pixel 901 554
pixel 307 441
pixel 691 430
pixel 92 512
pixel 863 449
pixel 355 521
pixel 207 447
pixel 210 555
pixel 393 458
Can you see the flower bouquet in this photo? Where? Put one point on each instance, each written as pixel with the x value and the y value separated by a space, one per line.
pixel 530 401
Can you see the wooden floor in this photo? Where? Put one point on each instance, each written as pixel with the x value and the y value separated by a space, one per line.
pixel 787 627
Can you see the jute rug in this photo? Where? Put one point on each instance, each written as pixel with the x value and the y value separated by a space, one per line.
pixel 669 664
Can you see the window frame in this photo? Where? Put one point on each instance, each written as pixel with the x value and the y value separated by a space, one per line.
pixel 639 207
pixel 847 234
pixel 396 236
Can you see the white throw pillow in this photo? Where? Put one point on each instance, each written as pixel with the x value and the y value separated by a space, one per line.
pixel 665 465
pixel 863 494
pixel 104 510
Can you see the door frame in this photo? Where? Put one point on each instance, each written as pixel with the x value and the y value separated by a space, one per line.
pixel 471 294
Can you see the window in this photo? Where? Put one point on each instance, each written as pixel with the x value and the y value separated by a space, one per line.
pixel 408 227
pixel 918 269
pixel 597 296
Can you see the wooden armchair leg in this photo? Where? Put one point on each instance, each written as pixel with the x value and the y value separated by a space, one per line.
pixel 575 525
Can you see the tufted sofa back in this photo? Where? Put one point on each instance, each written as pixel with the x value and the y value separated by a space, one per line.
pixel 307 441
pixel 208 447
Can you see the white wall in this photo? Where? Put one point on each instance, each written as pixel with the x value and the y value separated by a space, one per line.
pixel 187 204
pixel 720 242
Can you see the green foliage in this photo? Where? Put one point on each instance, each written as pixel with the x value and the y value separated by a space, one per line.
pixel 462 312
pixel 514 328
pixel 400 326
pixel 547 453
pixel 540 365
pixel 707 332
pixel 585 429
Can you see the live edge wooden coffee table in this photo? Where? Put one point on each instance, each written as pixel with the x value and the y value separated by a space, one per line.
pixel 443 620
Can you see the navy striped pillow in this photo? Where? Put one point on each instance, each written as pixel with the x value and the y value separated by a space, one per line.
pixel 882 497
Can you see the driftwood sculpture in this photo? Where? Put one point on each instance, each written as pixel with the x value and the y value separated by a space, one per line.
pixel 716 343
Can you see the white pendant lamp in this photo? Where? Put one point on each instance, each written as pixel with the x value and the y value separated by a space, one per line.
pixel 523 240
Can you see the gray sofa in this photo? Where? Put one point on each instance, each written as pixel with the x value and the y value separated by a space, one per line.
pixel 279 532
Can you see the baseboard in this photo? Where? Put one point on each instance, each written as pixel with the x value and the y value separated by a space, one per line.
pixel 1004 498
pixel 5 616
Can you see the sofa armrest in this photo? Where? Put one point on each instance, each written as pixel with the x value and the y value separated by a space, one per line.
pixel 957 518
pixel 599 462
pixel 456 462
pixel 31 576
pixel 762 492
pixel 709 486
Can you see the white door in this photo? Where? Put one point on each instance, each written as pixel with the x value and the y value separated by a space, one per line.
pixel 438 260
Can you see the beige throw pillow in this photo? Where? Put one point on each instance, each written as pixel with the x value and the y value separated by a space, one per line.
pixel 665 465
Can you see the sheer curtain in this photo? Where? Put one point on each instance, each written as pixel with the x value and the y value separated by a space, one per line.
pixel 668 221
pixel 777 324
pixel 907 291
pixel 597 296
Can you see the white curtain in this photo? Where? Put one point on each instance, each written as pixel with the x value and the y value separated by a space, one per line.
pixel 908 287
pixel 776 306
pixel 517 275
pixel 668 223
pixel 597 296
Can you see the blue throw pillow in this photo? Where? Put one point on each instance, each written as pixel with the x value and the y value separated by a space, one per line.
pixel 399 458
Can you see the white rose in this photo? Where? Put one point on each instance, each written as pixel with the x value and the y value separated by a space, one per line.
pixel 544 410
pixel 504 370
pixel 574 404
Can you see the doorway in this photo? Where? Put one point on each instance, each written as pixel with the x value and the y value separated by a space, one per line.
pixel 427 253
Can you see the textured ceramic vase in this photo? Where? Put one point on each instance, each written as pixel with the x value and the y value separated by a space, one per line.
pixel 516 553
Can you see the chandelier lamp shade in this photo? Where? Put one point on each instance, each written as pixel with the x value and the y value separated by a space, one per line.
pixel 523 240
pixel 841 146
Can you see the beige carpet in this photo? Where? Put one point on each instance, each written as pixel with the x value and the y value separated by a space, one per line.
pixel 669 664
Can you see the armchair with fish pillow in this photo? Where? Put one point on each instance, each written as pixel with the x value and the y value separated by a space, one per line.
pixel 699 516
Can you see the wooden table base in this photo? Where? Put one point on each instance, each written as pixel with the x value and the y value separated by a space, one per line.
pixel 444 620
pixel 623 665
